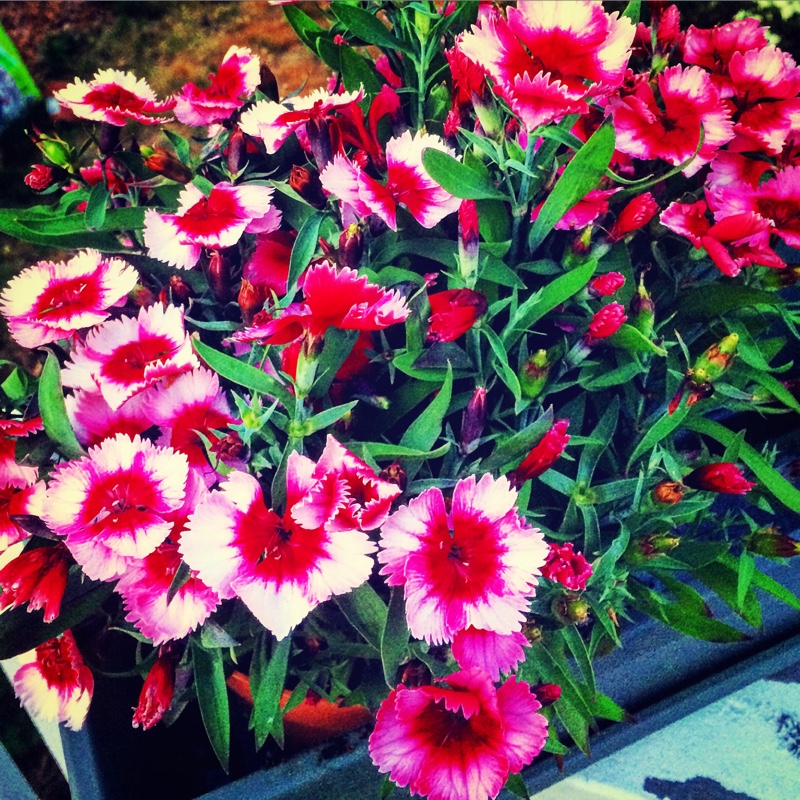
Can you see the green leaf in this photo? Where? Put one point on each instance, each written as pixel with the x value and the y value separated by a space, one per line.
pixel 602 434
pixel 327 418
pixel 251 378
pixel 593 379
pixel 765 583
pixel 366 612
pixel 212 697
pixel 368 28
pixel 744 578
pixel 15 385
pixel 516 786
pixel 772 385
pixel 427 427
pixel 715 299
pixel 389 452
pixel 556 292
pixel 591 528
pixel 512 450
pixel 634 341
pixel 96 205
pixel 576 724
pixel 605 708
pixel 394 640
pixel 306 29
pixel 29 231
pixel 603 568
pixel 725 582
pixel 633 11
pixel 180 144
pixel 303 249
pixel 54 410
pixel 768 477
pixel 267 694
pixel 458 179
pixel 582 174
pixel 358 72
pixel 12 63
pixel 663 427
pixel 578 649
pixel 501 365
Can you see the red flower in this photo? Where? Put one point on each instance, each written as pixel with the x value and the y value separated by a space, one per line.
pixel 722 477
pixel 38 577
pixel 458 742
pixel 15 502
pixel 543 455
pixel 454 312
pixel 57 686
pixel 156 695
pixel 39 178
pixel 606 285
pixel 567 567
pixel 269 264
pixel 636 214
pixel 94 175
pixel 607 321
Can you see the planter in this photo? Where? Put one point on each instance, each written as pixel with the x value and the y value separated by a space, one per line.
pixel 659 676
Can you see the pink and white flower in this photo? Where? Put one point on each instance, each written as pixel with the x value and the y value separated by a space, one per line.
pixel 475 566
pixel 114 505
pixel 278 567
pixel 93 419
pixel 274 123
pixel 114 97
pixel 57 686
pixel 457 742
pixel 542 57
pixel 407 183
pixel 494 653
pixel 14 502
pixel 215 221
pixel 237 77
pixel 145 589
pixel 52 300
pixel 11 473
pixel 123 357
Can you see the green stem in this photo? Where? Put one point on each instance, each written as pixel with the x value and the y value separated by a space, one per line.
pixel 521 206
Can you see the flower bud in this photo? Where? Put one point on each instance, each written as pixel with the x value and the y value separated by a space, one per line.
pixel 218 274
pixel 165 163
pixel 606 322
pixel 158 690
pixel 251 300
pixel 543 455
pixel 395 474
pixel 307 184
pixel 37 577
pixel 56 150
pixel 180 290
pixel 546 693
pixel 351 246
pixel 229 449
pixel 237 151
pixel 606 285
pixel 39 178
pixel 489 116
pixel 635 215
pixel 472 422
pixel 534 373
pixel 657 544
pixel 468 242
pixel 722 477
pixel 715 361
pixel 668 492
pixel 319 138
pixel 565 566
pixel 454 312
pixel 532 632
pixel 268 83
pixel 643 310
pixel 769 542
pixel 569 609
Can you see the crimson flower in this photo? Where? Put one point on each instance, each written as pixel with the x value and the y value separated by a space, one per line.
pixel 37 577
pixel 155 698
pixel 607 321
pixel 722 477
pixel 459 741
pixel 454 312
pixel 475 565
pixel 237 77
pixel 39 178
pixel 269 264
pixel 51 300
pixel 567 567
pixel 636 214
pixel 606 285
pixel 543 455
pixel 56 686
pixel 114 97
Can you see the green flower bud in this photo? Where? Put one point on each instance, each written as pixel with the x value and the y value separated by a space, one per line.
pixel 533 375
pixel 715 361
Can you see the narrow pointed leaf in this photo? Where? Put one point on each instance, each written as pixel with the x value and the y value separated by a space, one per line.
pixel 267 695
pixel 54 410
pixel 394 641
pixel 212 696
pixel 366 612
pixel 458 178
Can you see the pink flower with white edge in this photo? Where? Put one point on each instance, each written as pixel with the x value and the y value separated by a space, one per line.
pixel 145 589
pixel 274 123
pixel 542 57
pixel 215 221
pixel 114 97
pixel 459 741
pixel 280 569
pixel 407 183
pixel 237 77
pixel 113 505
pixel 93 419
pixel 476 565
pixel 15 502
pixel 122 357
pixel 190 405
pixel 494 653
pixel 51 300
pixel 12 474
pixel 57 686
pixel 732 173
pixel 690 103
pixel 38 577
pixel 368 497
pixel 332 298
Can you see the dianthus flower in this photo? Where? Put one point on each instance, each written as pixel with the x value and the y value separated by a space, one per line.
pixel 454 312
pixel 38 577
pixel 606 285
pixel 636 214
pixel 215 221
pixel 721 477
pixel 15 502
pixel 280 568
pixel 39 178
pixel 269 264
pixel 474 566
pixel 606 322
pixel 122 357
pixel 93 419
pixel 494 653
pixel 12 474
pixel 237 77
pixel 57 686
pixel 567 567
pixel 543 455
pixel 542 57
pixel 115 504
pixel 114 97
pixel 459 741
pixel 51 300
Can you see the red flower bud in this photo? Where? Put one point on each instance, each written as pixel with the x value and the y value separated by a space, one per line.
pixel 237 150
pixel 351 246
pixel 180 290
pixel 218 274
pixel 473 421
pixel 668 492
pixel 722 477
pixel 468 242
pixel 606 285
pixel 37 577
pixel 635 215
pixel 607 321
pixel 395 474
pixel 307 184
pixel 159 687
pixel 454 312
pixel 543 455
pixel 165 163
pixel 769 542
pixel 268 83
pixel 251 300
pixel 566 567
pixel 546 693
pixel 39 178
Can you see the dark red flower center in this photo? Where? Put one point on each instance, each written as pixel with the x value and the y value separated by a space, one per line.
pixel 113 96
pixel 129 362
pixel 55 663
